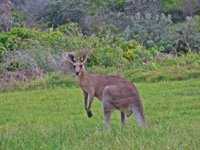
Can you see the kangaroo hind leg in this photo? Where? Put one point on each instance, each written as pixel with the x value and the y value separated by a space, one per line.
pixel 107 107
pixel 107 116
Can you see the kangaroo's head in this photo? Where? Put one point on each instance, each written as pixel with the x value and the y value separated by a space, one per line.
pixel 78 63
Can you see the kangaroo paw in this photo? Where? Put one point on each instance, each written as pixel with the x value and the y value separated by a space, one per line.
pixel 89 113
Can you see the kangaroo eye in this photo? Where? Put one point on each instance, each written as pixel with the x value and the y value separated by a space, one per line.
pixel 81 66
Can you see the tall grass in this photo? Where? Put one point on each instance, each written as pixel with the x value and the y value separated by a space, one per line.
pixel 56 119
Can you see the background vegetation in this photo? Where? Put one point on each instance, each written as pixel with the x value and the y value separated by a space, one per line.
pixel 129 34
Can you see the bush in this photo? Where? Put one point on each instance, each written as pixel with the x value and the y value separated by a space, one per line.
pixel 170 4
pixel 118 52
pixel 65 38
pixel 132 7
pixel 188 36
pixel 35 61
pixel 2 51
pixel 176 13
pixel 16 38
pixel 61 12
pixel 71 29
pixel 150 30
pixel 107 57
pixel 190 7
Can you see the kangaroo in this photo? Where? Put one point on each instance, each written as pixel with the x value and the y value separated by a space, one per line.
pixel 115 93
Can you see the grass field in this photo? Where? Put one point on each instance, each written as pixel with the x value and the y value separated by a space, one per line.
pixel 55 119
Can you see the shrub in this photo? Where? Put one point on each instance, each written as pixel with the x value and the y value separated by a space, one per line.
pixel 15 39
pixel 107 57
pixel 132 7
pixel 118 52
pixel 71 29
pixel 61 12
pixel 65 38
pixel 190 7
pixel 176 13
pixel 188 36
pixel 150 30
pixel 170 4
pixel 2 51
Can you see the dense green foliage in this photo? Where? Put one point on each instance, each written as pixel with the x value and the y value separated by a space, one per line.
pixel 150 30
pixel 30 53
pixel 70 38
pixel 142 20
pixel 141 39
pixel 56 119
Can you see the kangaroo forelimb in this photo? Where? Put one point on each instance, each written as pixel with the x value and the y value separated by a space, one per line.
pixel 91 98
pixel 85 99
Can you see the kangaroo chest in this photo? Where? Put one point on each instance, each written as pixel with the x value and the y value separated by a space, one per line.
pixel 85 84
pixel 88 85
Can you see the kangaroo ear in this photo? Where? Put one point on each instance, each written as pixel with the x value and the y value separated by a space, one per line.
pixel 71 58
pixel 84 58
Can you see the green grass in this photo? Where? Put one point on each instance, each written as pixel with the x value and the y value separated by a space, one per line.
pixel 55 119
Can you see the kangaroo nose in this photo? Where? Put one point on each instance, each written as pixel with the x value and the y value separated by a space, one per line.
pixel 77 73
